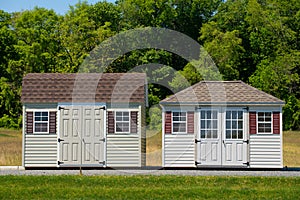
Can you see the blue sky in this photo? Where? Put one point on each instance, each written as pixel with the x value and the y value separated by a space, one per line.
pixel 59 6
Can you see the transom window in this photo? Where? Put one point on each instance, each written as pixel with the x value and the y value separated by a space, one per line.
pixel 264 122
pixel 41 122
pixel 234 125
pixel 122 122
pixel 179 122
pixel 209 124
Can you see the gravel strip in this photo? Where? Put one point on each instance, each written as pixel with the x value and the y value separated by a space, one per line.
pixel 131 172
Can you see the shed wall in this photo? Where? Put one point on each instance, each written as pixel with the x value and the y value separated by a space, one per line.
pixel 40 150
pixel 179 150
pixel 265 151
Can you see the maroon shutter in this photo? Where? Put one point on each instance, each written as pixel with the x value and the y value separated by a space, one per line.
pixel 276 123
pixel 133 122
pixel 190 122
pixel 252 122
pixel 29 122
pixel 52 122
pixel 111 122
pixel 168 122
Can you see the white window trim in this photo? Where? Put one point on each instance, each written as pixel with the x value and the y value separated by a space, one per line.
pixel 115 118
pixel 48 122
pixel 264 133
pixel 186 117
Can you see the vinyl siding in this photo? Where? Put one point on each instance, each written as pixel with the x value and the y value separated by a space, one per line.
pixel 40 150
pixel 265 151
pixel 123 150
pixel 179 150
pixel 126 150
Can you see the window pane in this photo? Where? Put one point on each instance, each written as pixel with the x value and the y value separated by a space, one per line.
pixel 208 114
pixel 234 125
pixel 228 134
pixel 202 114
pixel 215 134
pixel 119 114
pixel 119 119
pixel 126 119
pixel 234 115
pixel 240 134
pixel 215 115
pixel 202 134
pixel 175 127
pixel 44 119
pixel 228 124
pixel 228 115
pixel 37 114
pixel 240 114
pixel 208 124
pixel 234 134
pixel 45 114
pixel 202 124
pixel 215 124
pixel 209 135
pixel 240 126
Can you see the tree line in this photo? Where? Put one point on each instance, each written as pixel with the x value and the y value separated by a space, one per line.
pixel 257 41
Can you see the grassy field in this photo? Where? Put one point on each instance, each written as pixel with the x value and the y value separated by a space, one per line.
pixel 291 148
pixel 148 187
pixel 11 148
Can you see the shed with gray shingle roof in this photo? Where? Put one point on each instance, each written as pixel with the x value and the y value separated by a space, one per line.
pixel 222 124
pixel 84 120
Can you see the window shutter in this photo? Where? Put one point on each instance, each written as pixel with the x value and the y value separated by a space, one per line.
pixel 276 123
pixel 111 122
pixel 133 122
pixel 252 122
pixel 29 122
pixel 190 122
pixel 168 122
pixel 52 122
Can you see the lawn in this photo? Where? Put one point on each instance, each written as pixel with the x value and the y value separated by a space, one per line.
pixel 148 187
pixel 11 148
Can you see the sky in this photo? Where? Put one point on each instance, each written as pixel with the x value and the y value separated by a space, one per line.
pixel 59 6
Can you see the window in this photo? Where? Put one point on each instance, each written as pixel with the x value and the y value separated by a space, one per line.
pixel 264 122
pixel 179 122
pixel 234 125
pixel 41 122
pixel 209 124
pixel 122 122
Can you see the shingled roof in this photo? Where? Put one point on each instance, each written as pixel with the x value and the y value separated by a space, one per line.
pixel 84 87
pixel 219 92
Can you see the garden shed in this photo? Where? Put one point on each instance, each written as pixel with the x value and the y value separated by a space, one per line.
pixel 84 120
pixel 222 124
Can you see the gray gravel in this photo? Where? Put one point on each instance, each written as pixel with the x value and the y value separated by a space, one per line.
pixel 196 172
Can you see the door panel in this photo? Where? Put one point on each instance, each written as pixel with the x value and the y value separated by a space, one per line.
pixel 82 137
pixel 235 149
pixel 221 137
pixel 209 139
pixel 70 142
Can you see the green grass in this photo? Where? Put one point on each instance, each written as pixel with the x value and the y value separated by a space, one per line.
pixel 148 187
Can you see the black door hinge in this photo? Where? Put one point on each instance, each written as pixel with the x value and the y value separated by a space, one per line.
pixel 197 163
pixel 103 163
pixel 246 141
pixel 246 163
pixel 196 141
pixel 246 108
pixel 103 107
pixel 59 140
pixel 60 108
pixel 103 140
pixel 59 163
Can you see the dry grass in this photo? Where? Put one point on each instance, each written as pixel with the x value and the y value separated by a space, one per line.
pixel 291 148
pixel 10 147
pixel 153 150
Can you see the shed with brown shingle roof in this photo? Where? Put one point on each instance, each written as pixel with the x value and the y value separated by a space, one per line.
pixel 84 119
pixel 222 124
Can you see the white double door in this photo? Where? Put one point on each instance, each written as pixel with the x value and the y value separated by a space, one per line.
pixel 81 137
pixel 222 138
